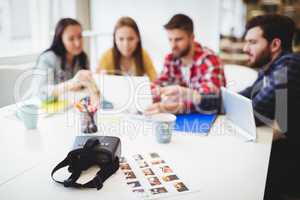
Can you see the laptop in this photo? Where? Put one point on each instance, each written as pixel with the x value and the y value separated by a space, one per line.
pixel 126 93
pixel 239 111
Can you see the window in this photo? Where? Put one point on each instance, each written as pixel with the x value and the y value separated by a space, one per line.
pixel 19 22
pixel 233 19
pixel 26 26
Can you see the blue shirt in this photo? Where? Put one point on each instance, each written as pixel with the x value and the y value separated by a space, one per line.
pixel 269 93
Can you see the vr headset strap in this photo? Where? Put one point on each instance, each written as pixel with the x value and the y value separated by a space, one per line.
pixel 104 173
pixel 74 176
pixel 97 182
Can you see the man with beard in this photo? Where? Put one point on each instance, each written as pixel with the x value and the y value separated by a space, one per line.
pixel 192 75
pixel 275 95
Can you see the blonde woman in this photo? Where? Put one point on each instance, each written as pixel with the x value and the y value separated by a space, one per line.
pixel 127 57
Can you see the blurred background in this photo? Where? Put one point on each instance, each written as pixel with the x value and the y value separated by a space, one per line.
pixel 235 13
pixel 27 27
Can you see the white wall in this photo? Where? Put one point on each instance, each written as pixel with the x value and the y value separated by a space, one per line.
pixel 150 17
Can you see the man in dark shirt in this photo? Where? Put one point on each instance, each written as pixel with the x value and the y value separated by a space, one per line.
pixel 275 95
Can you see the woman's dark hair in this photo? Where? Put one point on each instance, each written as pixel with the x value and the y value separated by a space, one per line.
pixel 58 47
pixel 137 54
pixel 275 26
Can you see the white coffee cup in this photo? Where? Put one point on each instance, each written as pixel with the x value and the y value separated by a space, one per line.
pixel 164 124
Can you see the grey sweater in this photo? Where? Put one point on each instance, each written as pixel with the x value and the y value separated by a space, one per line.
pixel 48 73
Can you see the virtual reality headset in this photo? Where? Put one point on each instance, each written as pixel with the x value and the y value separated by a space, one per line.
pixel 103 151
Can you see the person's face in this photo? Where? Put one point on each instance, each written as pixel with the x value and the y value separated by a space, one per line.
pixel 72 39
pixel 257 48
pixel 126 40
pixel 180 41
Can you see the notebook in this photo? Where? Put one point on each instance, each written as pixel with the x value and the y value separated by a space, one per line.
pixel 195 123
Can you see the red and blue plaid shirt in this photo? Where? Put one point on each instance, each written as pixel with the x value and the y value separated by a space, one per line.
pixel 206 74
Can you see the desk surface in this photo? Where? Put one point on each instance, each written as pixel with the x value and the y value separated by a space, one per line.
pixel 220 165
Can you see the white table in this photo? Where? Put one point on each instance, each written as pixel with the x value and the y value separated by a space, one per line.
pixel 220 166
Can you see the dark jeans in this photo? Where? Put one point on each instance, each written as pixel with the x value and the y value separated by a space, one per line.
pixel 284 170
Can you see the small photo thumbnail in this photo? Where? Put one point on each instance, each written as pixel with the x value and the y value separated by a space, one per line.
pixel 157 162
pixel 137 157
pixel 142 164
pixel 154 181
pixel 148 172
pixel 134 184
pixel 138 190
pixel 154 155
pixel 180 187
pixel 125 166
pixel 166 169
pixel 168 178
pixel 159 190
pixel 122 160
pixel 129 175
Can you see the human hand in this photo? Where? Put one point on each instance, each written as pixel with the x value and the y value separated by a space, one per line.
pixel 172 94
pixel 83 79
pixel 179 94
pixel 155 91
pixel 164 108
pixel 83 76
pixel 75 86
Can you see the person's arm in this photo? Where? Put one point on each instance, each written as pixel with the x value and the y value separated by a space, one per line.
pixel 61 88
pixel 149 67
pixel 203 103
pixel 42 84
pixel 43 81
pixel 212 77
pixel 184 97
pixel 210 103
pixel 277 132
pixel 175 98
pixel 205 98
pixel 270 101
pixel 246 92
pixel 210 82
pixel 163 80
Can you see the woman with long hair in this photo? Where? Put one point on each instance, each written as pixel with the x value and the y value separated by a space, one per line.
pixel 127 57
pixel 64 65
